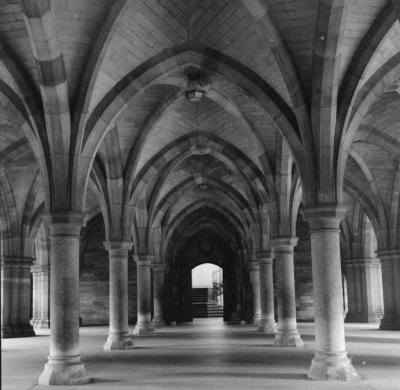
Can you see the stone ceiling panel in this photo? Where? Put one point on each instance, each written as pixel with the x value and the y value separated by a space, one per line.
pixel 385 115
pixel 389 47
pixel 381 165
pixel 79 24
pixel 184 117
pixel 296 22
pixel 143 31
pixel 228 27
pixel 134 118
pixel 360 17
pixel 21 174
pixel 13 29
pixel 193 195
pixel 357 179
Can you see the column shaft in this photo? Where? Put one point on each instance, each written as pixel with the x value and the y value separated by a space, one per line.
pixel 16 297
pixel 254 270
pixel 118 337
pixel 287 335
pixel 40 299
pixel 64 366
pixel 330 361
pixel 158 294
pixel 267 323
pixel 374 292
pixel 144 324
pixel 6 330
pixel 390 260
pixel 363 290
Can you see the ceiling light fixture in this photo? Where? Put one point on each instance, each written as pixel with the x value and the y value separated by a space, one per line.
pixel 194 90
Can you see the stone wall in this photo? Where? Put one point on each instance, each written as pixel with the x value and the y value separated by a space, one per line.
pixel 94 289
pixel 94 281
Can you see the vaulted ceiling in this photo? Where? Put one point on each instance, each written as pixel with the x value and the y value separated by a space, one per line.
pixel 162 168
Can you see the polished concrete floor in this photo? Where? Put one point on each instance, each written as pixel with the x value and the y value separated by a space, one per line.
pixel 208 354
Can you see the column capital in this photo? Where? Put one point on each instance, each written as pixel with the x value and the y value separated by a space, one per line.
pixel 158 267
pixel 253 265
pixel 348 263
pixel 265 257
pixel 362 262
pixel 284 244
pixel 24 262
pixel 143 260
pixel 64 223
pixel 40 268
pixel 372 261
pixel 389 254
pixel 116 248
pixel 324 216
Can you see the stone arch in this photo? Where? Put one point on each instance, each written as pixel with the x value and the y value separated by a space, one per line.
pixel 116 100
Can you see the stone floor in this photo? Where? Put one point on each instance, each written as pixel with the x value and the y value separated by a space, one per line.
pixel 208 354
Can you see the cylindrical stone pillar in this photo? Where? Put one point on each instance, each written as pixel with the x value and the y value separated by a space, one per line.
pixel 267 322
pixel 118 337
pixel 144 325
pixel 238 281
pixel 40 298
pixel 16 297
pixel 6 329
pixel 64 366
pixel 287 335
pixel 254 270
pixel 390 260
pixel 158 294
pixel 330 361
pixel 374 292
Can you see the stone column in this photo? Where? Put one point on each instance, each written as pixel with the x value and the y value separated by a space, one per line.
pixel 254 270
pixel 64 366
pixel 330 361
pixel 267 323
pixel 287 335
pixel 6 328
pixel 40 298
pixel 158 294
pixel 144 325
pixel 118 337
pixel 373 276
pixel 16 297
pixel 364 292
pixel 354 294
pixel 390 260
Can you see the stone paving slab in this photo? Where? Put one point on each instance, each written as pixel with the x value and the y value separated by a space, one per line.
pixel 208 355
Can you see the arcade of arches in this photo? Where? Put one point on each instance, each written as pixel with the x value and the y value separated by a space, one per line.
pixel 140 139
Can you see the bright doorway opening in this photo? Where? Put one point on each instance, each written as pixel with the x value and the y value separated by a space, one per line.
pixel 207 291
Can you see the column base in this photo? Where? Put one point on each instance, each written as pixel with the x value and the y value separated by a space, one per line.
pixel 288 338
pixel 256 321
pixel 118 341
pixel 267 327
pixel 375 318
pixel 40 324
pixel 68 370
pixel 143 328
pixel 13 331
pixel 7 332
pixel 332 366
pixel 390 323
pixel 235 317
pixel 158 322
